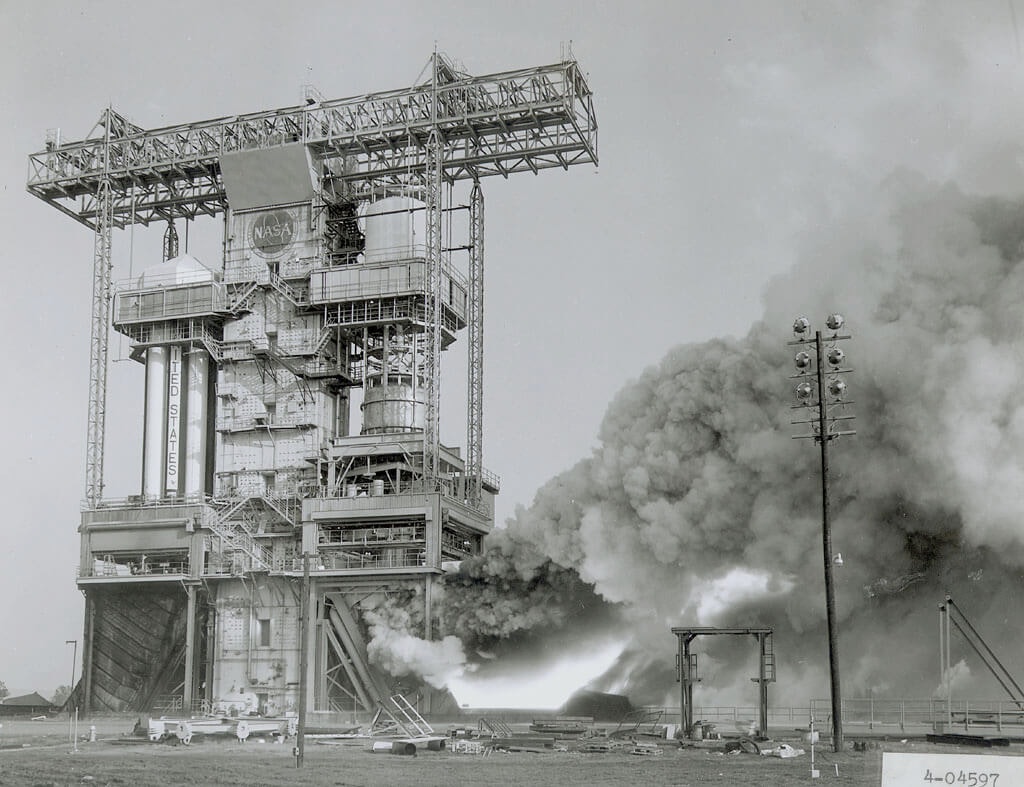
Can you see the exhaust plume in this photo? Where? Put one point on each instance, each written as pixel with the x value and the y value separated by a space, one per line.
pixel 697 507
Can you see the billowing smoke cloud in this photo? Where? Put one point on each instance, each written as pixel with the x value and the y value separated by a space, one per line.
pixel 397 645
pixel 401 653
pixel 697 507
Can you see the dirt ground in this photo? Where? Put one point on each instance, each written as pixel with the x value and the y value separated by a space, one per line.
pixel 43 756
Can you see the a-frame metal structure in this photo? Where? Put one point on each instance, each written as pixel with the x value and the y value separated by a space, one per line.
pixel 686 664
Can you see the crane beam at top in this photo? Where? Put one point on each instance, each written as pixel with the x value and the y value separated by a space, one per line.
pixel 500 124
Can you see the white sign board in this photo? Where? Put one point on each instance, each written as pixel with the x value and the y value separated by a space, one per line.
pixel 173 420
pixel 957 770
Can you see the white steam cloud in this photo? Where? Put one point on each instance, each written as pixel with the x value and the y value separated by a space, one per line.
pixel 696 478
pixel 867 133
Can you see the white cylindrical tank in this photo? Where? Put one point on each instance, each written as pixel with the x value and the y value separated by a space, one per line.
pixel 393 408
pixel 155 422
pixel 197 411
pixel 395 229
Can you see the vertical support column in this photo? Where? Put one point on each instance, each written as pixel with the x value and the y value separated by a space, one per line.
pixel 432 299
pixel 475 386
pixel 949 667
pixel 321 700
pixel 762 685
pixel 190 649
pixel 100 335
pixel 942 650
pixel 87 648
pixel 685 684
pixel 428 634
pixel 434 308
pixel 211 649
pixel 428 625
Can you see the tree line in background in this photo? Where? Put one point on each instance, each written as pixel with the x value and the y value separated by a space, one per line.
pixel 60 696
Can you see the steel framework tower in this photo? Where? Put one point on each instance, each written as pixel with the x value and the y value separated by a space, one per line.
pixel 300 314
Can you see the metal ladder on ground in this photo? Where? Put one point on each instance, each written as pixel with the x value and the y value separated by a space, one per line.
pixel 496 727
pixel 412 716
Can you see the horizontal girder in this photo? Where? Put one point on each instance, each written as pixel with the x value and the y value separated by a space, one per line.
pixel 500 124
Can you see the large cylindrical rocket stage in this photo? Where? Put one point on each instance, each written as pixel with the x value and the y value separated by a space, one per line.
pixel 177 414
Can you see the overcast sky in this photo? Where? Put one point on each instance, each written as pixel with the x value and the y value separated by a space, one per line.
pixel 726 130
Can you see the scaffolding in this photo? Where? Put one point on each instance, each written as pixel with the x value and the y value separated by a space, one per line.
pixel 296 319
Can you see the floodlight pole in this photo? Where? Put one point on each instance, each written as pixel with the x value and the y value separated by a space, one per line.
pixel 823 432
pixel 826 543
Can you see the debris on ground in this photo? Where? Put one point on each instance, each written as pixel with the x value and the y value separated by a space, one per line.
pixel 766 748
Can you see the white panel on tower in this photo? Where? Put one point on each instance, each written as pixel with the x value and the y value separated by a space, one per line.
pixel 173 455
pixel 154 423
pixel 197 411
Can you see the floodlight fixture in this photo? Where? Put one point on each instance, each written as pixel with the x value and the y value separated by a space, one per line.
pixel 837 388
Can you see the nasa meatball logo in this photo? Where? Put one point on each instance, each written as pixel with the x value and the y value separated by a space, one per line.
pixel 273 232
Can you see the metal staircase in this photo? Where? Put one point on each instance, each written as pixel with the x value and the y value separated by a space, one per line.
pixel 289 507
pixel 298 300
pixel 241 301
pixel 236 532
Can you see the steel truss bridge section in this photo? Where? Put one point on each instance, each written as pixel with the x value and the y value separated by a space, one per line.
pixel 515 121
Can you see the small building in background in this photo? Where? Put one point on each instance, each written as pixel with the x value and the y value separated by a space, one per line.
pixel 27 705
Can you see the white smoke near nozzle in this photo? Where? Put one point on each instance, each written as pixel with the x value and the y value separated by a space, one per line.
pixel 696 476
pixel 400 653
pixel 395 647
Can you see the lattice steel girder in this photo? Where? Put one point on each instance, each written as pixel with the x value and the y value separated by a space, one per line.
pixel 475 320
pixel 99 349
pixel 514 121
pixel 433 303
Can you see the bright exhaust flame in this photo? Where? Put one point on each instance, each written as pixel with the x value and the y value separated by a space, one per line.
pixel 546 688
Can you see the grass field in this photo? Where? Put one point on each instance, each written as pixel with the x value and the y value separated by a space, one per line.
pixel 51 759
